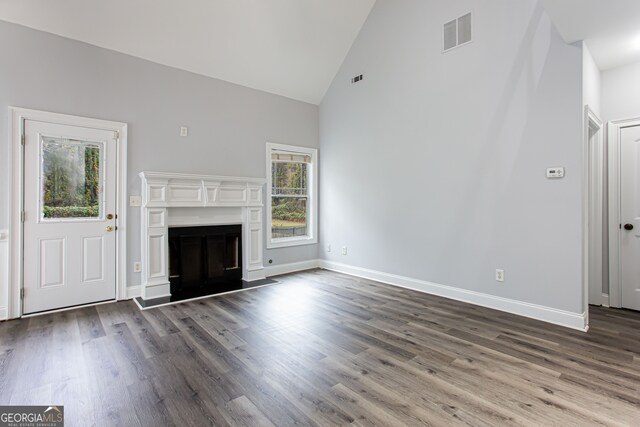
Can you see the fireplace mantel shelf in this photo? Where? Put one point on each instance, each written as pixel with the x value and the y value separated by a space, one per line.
pixel 240 201
pixel 184 190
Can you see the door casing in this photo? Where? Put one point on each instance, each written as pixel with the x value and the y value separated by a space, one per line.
pixel 614 129
pixel 592 213
pixel 17 118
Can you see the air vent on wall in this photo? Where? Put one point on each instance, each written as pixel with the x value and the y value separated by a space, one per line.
pixel 356 79
pixel 457 32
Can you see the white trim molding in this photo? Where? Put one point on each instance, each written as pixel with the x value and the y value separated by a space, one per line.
pixel 614 129
pixel 312 208
pixel 17 119
pixel 133 292
pixel 183 200
pixel 4 273
pixel 593 210
pixel 277 270
pixel 538 312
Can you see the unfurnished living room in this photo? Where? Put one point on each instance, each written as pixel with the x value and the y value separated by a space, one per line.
pixel 319 212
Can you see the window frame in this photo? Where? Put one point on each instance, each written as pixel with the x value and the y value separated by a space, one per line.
pixel 312 199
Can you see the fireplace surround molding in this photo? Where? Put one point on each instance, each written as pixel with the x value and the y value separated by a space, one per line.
pixel 173 199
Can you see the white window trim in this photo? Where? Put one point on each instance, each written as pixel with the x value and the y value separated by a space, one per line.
pixel 312 208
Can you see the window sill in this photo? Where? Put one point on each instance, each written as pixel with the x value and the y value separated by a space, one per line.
pixel 291 241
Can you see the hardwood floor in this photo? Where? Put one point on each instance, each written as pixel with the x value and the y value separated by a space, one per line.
pixel 322 348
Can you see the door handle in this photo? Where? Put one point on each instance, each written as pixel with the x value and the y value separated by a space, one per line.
pixel 628 227
pixel 109 216
pixel 109 228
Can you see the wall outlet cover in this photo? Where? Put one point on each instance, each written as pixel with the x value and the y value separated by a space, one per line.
pixel 344 250
pixel 137 267
pixel 500 275
pixel 184 131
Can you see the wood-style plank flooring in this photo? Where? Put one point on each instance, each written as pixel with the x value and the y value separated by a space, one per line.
pixel 322 348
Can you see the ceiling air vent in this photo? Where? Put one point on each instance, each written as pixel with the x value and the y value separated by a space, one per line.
pixel 457 33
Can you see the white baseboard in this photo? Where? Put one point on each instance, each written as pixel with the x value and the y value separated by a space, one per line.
pixel 538 312
pixel 599 300
pixel 133 292
pixel 4 313
pixel 276 270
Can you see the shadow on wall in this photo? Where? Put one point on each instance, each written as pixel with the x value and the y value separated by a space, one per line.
pixel 508 126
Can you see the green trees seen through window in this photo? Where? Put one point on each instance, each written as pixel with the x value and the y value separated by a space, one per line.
pixel 71 179
pixel 289 196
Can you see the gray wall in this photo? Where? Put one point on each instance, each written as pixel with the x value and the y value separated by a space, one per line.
pixel 433 167
pixel 621 93
pixel 228 124
pixel 591 85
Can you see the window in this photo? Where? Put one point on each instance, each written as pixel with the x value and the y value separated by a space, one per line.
pixel 291 199
pixel 70 179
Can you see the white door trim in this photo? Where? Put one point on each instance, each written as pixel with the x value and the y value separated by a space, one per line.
pixel 17 118
pixel 593 198
pixel 614 130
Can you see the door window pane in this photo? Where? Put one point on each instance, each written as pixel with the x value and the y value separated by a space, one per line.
pixel 71 179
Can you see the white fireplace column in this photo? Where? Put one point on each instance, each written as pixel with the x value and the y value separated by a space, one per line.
pixel 170 199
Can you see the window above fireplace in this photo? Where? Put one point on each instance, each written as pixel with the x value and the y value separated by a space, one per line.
pixel 292 195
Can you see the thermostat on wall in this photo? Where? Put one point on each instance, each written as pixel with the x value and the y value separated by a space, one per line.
pixel 555 173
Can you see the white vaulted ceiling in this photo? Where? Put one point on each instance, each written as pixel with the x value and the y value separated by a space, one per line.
pixel 611 28
pixel 287 47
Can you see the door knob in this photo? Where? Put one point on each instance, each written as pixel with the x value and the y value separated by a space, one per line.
pixel 628 227
pixel 109 228
pixel 109 216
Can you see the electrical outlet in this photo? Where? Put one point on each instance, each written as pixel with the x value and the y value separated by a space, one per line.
pixel 499 275
pixel 184 131
pixel 328 248
pixel 135 201
pixel 137 267
pixel 344 250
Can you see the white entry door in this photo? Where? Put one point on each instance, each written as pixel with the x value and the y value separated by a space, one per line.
pixel 69 224
pixel 630 217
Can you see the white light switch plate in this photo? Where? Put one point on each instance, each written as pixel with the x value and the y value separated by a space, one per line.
pixel 135 201
pixel 184 131
pixel 555 173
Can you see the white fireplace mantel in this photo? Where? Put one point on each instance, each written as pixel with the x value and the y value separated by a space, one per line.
pixel 172 199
